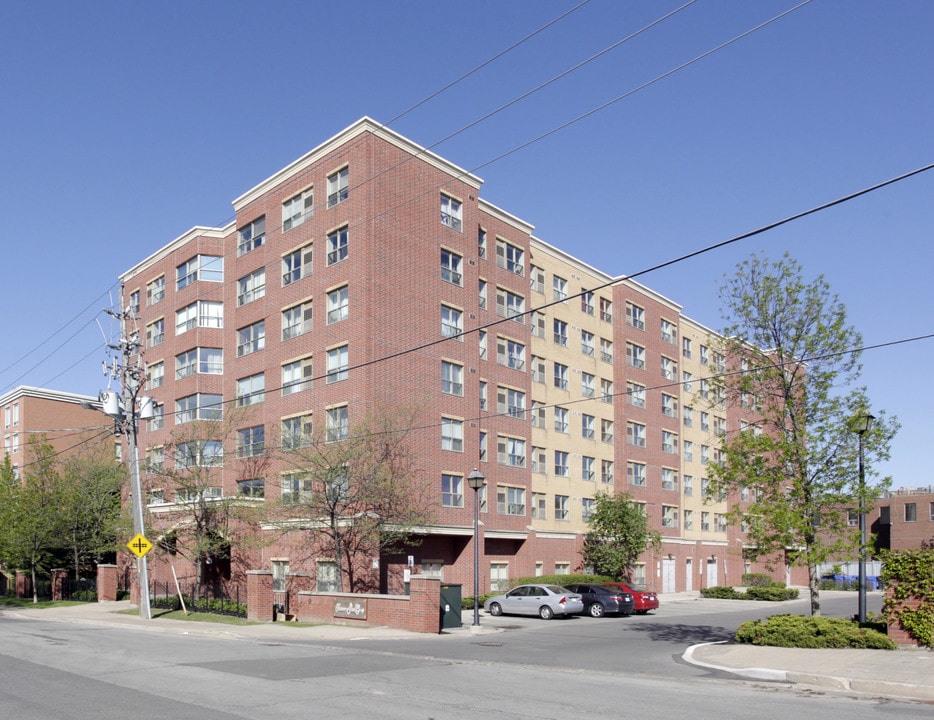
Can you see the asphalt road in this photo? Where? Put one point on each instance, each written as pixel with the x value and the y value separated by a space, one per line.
pixel 556 669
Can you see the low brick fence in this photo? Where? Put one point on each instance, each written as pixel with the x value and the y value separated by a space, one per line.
pixel 419 611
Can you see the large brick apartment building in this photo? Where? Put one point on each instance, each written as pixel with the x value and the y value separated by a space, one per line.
pixel 371 270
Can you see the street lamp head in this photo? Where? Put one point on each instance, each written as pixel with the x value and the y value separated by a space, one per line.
pixel 476 479
pixel 863 423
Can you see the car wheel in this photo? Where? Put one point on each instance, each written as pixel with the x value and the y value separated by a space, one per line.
pixel 596 610
pixel 496 610
pixel 545 612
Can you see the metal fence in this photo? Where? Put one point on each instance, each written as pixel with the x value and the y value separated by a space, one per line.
pixel 165 596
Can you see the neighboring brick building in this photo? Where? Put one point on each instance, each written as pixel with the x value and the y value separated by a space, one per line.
pixel 370 246
pixel 903 519
pixel 58 417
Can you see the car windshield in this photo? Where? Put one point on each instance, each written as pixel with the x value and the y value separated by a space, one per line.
pixel 557 589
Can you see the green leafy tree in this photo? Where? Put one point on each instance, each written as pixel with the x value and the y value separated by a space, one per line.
pixel 619 533
pixel 358 489
pixel 92 483
pixel 36 524
pixel 794 364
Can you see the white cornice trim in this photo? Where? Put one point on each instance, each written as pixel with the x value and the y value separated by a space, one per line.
pixel 188 236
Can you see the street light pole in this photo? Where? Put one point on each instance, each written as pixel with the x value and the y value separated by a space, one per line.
pixel 476 480
pixel 865 421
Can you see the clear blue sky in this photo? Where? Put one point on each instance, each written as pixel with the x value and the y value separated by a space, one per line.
pixel 124 124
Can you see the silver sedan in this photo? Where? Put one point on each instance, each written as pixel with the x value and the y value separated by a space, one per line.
pixel 546 601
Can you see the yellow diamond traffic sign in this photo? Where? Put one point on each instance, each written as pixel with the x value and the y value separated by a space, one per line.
pixel 139 545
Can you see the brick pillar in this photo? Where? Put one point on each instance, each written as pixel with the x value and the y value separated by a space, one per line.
pixel 259 596
pixel 106 583
pixel 424 604
pixel 60 584
pixel 23 584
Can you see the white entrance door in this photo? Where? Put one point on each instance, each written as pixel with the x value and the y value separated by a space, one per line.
pixel 712 573
pixel 689 575
pixel 668 576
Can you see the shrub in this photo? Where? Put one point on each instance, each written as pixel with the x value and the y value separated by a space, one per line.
pixel 772 593
pixel 756 580
pixel 798 631
pixel 722 592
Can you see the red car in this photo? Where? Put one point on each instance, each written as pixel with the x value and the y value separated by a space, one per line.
pixel 645 600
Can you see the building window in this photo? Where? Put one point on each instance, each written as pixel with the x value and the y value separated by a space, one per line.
pixel 338 364
pixel 481 294
pixel 606 391
pixel 452 434
pixel 155 375
pixel 688 519
pixel 911 512
pixel 251 442
pixel 338 304
pixel 705 521
pixel 539 506
pixel 499 575
pixel 510 353
pixel 251 236
pixel 669 479
pixel 337 246
pixel 669 516
pixel 452 323
pixel 511 305
pixel 510 451
pixel 338 184
pixel 587 468
pixel 481 243
pixel 538 325
pixel 482 395
pixel 587 509
pixel 155 459
pixel 297 209
pixel 588 426
pixel 481 344
pixel 200 453
pixel 451 212
pixel 510 402
pixel 483 451
pixel 296 432
pixel 251 339
pixel 606 310
pixel 704 355
pixel 251 390
pixel 588 384
pixel 587 302
pixel 452 492
pixel 326 580
pixel 559 288
pixel 635 355
pixel 538 369
pixel 155 291
pixel 561 507
pixel 561 464
pixel 686 347
pixel 687 416
pixel 606 431
pixel 133 305
pixel 705 421
pixel 606 472
pixel 296 320
pixel 538 415
pixel 155 332
pixel 537 279
pixel 451 268
pixel 635 394
pixel 452 378
pixel 669 405
pixel 539 461
pixel 587 343
pixel 635 473
pixel 510 257
pixel 635 316
pixel 207 268
pixel 199 406
pixel 296 265
pixel 296 376
pixel 157 421
pixel 295 488
pixel 669 368
pixel 669 331
pixel 561 420
pixel 669 442
pixel 688 485
pixel 252 287
pixel 688 451
pixel 337 424
pixel 510 501
pixel 561 376
pixel 635 434
pixel 199 314
pixel 560 333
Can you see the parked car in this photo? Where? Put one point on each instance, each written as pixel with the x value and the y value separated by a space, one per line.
pixel 546 601
pixel 645 599
pixel 600 600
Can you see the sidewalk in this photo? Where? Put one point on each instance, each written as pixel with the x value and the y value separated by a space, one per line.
pixel 905 673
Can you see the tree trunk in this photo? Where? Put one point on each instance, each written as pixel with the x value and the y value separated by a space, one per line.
pixel 814 590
